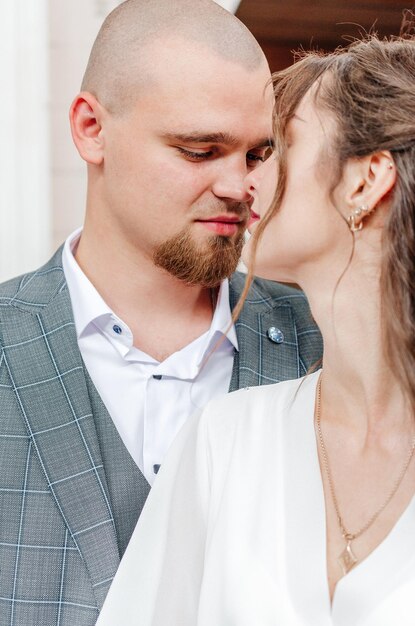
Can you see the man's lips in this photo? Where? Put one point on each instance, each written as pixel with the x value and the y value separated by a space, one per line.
pixel 225 225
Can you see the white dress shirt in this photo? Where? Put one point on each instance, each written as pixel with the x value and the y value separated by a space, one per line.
pixel 234 530
pixel 148 401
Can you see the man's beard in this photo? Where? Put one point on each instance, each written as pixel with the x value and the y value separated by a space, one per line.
pixel 206 266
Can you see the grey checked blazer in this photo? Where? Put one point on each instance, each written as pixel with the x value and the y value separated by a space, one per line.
pixel 58 546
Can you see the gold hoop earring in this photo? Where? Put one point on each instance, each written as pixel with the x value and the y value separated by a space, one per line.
pixel 359 212
pixel 353 227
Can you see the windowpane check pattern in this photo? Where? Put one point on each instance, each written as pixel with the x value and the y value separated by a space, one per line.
pixel 58 543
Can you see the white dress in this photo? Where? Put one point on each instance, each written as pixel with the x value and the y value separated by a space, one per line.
pixel 233 533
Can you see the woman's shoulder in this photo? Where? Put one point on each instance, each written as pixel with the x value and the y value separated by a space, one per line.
pixel 247 428
pixel 256 404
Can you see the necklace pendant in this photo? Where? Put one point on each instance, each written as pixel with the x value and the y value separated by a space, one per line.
pixel 347 559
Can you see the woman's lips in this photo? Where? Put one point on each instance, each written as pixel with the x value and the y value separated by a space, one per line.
pixel 254 217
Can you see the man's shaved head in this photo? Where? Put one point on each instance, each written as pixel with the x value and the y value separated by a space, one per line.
pixel 176 109
pixel 120 63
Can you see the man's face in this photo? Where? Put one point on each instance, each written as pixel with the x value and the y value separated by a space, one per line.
pixel 174 165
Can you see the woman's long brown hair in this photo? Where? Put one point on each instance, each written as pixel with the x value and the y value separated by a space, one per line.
pixel 370 93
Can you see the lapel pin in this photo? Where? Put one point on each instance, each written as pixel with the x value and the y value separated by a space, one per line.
pixel 275 334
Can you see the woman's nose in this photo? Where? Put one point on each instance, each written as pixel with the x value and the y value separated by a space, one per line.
pixel 252 181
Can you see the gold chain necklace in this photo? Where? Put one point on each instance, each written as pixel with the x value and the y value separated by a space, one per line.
pixel 347 559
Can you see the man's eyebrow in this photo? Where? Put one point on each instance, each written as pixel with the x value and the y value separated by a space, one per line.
pixel 222 138
pixel 201 137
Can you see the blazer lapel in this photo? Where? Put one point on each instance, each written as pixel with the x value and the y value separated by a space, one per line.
pixel 47 372
pixel 261 361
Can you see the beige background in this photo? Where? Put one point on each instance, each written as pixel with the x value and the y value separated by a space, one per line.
pixel 73 27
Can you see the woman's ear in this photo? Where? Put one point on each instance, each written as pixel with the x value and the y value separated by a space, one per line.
pixel 367 182
pixel 85 117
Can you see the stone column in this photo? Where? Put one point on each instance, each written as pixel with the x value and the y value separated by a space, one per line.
pixel 25 225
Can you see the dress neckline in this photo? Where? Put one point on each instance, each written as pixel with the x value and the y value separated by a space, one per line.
pixel 365 587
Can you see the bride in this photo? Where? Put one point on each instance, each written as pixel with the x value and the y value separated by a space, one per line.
pixel 292 504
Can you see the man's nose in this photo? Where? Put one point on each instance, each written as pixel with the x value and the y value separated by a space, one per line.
pixel 230 183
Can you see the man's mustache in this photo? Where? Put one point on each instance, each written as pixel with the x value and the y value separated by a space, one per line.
pixel 241 210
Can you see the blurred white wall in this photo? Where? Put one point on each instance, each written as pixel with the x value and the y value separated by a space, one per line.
pixel 73 28
pixel 25 224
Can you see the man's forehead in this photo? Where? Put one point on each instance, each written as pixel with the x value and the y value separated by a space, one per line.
pixel 233 108
pixel 178 64
pixel 173 53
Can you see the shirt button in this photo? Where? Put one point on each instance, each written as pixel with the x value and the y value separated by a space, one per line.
pixel 156 468
pixel 117 329
pixel 275 334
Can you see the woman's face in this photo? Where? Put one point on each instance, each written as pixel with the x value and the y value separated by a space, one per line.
pixel 306 229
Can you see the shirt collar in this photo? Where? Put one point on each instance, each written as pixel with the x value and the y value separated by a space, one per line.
pixel 222 323
pixel 91 312
pixel 88 306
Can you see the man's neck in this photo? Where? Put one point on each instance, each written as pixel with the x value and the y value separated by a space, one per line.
pixel 163 313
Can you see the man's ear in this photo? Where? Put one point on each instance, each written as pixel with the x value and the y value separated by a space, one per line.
pixel 85 117
pixel 368 181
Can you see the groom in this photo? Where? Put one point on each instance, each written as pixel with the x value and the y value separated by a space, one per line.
pixel 107 349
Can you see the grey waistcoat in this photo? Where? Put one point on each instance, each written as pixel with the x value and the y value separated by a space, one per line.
pixel 128 488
